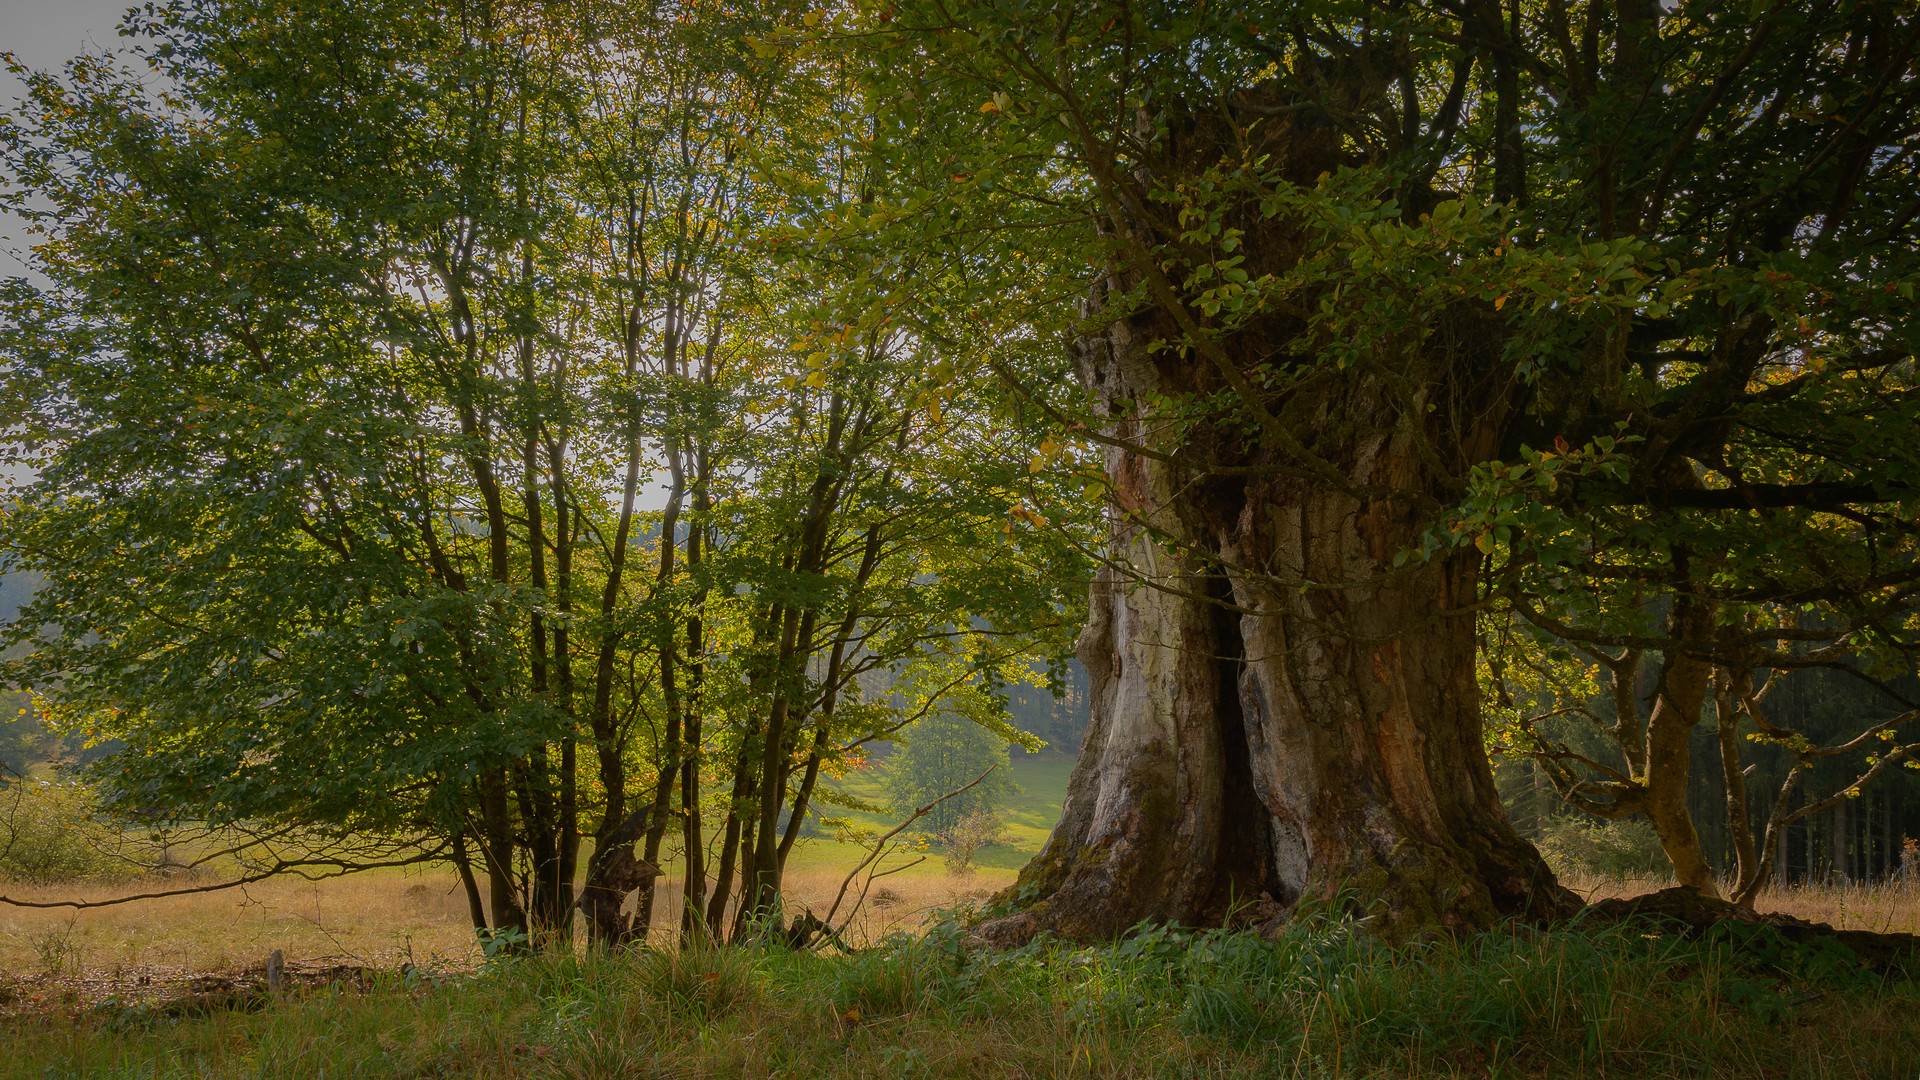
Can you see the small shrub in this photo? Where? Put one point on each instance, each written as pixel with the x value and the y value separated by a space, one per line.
pixel 967 835
pixel 1616 849
pixel 50 834
pixel 55 947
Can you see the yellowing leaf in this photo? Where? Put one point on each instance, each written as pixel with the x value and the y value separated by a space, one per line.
pixel 1484 542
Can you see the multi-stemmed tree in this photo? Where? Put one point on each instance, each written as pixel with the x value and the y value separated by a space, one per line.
pixel 366 336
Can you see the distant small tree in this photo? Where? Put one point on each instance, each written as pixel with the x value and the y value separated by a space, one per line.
pixel 940 753
pixel 50 833
pixel 964 838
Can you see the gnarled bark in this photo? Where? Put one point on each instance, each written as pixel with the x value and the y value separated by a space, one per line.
pixel 1307 742
pixel 613 875
pixel 1277 709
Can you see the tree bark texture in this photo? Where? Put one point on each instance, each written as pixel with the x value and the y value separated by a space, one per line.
pixel 1278 712
pixel 616 874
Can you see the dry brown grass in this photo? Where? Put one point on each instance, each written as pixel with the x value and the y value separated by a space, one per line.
pixel 377 919
pixel 899 902
pixel 374 919
pixel 382 918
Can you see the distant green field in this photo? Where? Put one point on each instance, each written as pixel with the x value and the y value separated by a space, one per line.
pixel 1030 815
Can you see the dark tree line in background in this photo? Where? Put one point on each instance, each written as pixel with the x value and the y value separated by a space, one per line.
pixel 1863 839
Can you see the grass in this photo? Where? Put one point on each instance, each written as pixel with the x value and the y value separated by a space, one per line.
pixel 78 992
pixel 1321 1001
pixel 1881 907
pixel 379 919
pixel 382 918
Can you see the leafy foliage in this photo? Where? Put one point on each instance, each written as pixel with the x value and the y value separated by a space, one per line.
pixel 51 833
pixel 342 403
pixel 940 754
pixel 1617 848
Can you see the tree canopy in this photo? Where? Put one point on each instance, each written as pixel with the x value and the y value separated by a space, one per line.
pixel 1361 354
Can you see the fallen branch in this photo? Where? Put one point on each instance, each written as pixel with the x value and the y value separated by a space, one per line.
pixel 291 867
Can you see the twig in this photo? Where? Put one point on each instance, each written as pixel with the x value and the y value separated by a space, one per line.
pixel 292 867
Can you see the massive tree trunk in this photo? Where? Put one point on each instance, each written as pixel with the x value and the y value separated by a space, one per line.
pixel 1251 740
pixel 1278 710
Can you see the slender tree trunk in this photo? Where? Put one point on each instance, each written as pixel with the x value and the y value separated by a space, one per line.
pixel 476 908
pixel 845 440
pixel 1730 686
pixel 1669 761
pixel 498 849
pixel 1509 160
pixel 737 802
pixel 1840 845
pixel 836 660
pixel 749 873
pixel 1780 852
pixel 671 748
pixel 607 871
pixel 1810 842
pixel 694 894
pixel 548 900
pixel 1888 849
pixel 776 759
pixel 565 524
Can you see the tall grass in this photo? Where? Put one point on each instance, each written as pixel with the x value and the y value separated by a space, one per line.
pixel 1323 1000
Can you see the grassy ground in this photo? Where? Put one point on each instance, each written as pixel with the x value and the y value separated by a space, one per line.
pixel 1321 1001
pixel 81 994
pixel 383 918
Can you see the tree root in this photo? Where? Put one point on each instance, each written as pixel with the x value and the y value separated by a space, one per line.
pixel 1695 916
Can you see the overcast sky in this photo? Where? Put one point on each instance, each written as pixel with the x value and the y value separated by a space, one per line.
pixel 46 32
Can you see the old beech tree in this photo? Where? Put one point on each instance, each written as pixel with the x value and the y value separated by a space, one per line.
pixel 1399 313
